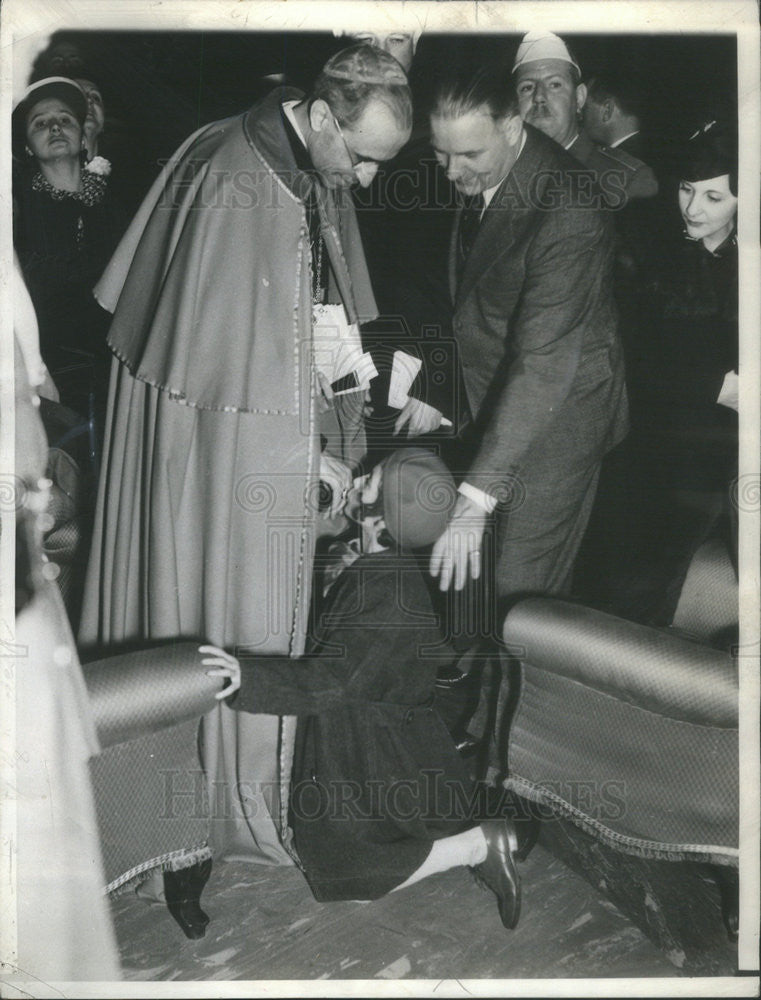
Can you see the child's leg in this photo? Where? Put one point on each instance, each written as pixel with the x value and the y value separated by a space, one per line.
pixel 468 848
pixel 490 851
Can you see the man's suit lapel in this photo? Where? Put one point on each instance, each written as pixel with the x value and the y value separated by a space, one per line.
pixel 583 149
pixel 500 223
pixel 495 237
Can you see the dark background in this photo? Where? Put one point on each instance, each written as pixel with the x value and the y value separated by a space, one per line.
pixel 158 87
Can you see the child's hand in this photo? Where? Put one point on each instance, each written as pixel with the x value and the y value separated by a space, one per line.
pixel 228 666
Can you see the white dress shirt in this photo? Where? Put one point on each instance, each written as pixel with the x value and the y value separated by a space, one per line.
pixel 612 145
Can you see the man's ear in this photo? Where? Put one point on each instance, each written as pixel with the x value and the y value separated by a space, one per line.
pixel 607 110
pixel 512 128
pixel 320 115
pixel 581 96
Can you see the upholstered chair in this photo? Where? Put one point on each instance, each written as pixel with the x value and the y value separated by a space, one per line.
pixel 630 734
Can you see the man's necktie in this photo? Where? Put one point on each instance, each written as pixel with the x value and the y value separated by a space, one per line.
pixel 470 219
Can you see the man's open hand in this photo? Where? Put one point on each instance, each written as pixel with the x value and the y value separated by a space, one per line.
pixel 457 553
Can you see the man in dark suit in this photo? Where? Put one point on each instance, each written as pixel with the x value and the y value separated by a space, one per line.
pixel 534 319
pixel 613 115
pixel 613 122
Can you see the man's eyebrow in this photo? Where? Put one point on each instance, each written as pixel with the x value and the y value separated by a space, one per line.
pixel 533 79
pixel 457 152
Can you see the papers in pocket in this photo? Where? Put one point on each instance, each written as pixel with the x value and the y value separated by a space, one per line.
pixel 338 353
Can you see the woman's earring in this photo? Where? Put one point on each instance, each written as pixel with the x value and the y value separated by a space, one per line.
pixel 28 151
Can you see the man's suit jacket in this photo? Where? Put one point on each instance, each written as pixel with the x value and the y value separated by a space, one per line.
pixel 634 145
pixel 620 174
pixel 536 323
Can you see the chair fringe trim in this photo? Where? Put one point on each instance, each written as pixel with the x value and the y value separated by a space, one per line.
pixel 637 846
pixel 172 862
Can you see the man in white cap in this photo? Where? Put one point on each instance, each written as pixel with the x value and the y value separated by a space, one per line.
pixel 551 97
pixel 548 83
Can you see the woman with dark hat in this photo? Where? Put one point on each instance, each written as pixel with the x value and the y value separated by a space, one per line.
pixel 65 229
pixel 683 377
pixel 694 292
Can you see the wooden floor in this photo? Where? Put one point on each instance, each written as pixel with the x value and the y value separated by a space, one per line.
pixel 265 924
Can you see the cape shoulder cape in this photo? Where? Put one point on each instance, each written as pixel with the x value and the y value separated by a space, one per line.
pixel 210 286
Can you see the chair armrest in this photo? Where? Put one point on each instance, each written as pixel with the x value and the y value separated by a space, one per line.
pixel 645 666
pixel 136 693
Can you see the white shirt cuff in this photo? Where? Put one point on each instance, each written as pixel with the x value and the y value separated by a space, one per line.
pixel 484 500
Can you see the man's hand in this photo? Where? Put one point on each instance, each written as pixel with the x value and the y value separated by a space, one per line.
pixel 227 666
pixel 458 551
pixel 339 477
pixel 419 416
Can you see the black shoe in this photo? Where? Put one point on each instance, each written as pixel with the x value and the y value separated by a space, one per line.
pixel 498 871
pixel 497 803
pixel 182 890
pixel 190 917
